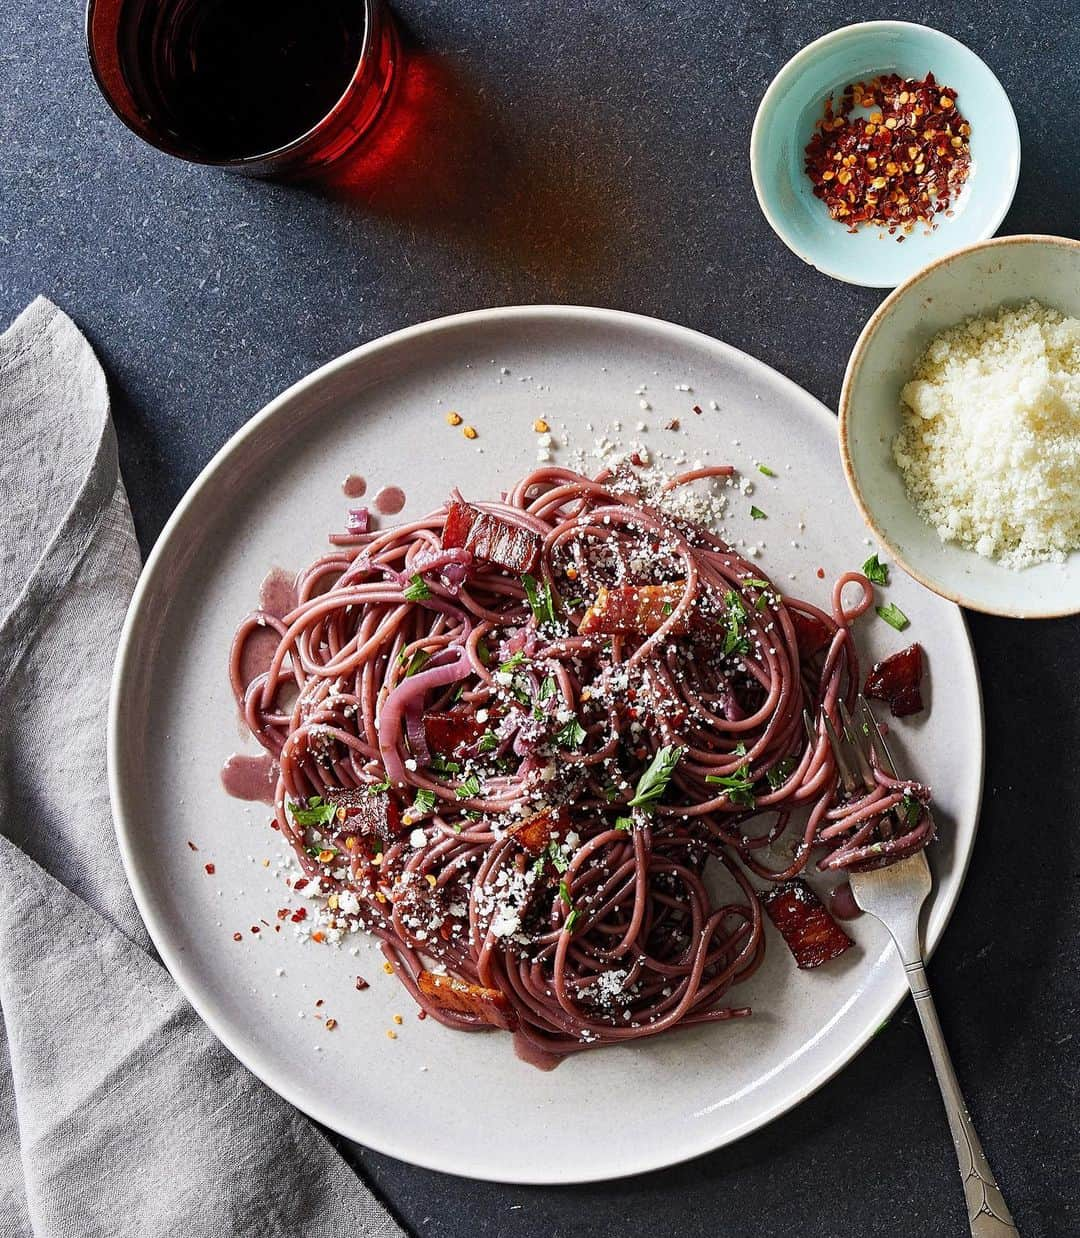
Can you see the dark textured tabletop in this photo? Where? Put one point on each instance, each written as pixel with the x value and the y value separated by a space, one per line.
pixel 595 151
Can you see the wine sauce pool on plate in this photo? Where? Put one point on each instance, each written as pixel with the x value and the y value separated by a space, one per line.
pixel 389 501
pixel 255 777
pixel 250 778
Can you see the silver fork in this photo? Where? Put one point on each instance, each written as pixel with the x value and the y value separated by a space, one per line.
pixel 895 895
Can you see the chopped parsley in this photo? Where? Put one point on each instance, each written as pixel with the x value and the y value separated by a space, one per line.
pixel 564 894
pixel 317 813
pixel 541 602
pixel 548 688
pixel 417 662
pixel 488 742
pixel 571 920
pixel 666 609
pixel 654 782
pixel 756 513
pixel 376 788
pixel 441 765
pixel 911 809
pixel 893 616
pixel 875 571
pixel 424 802
pixel 469 788
pixel 734 640
pixel 764 468
pixel 624 823
pixel 779 774
pixel 572 735
pixel 416 590
pixel 557 857
pixel 512 662
pixel 739 786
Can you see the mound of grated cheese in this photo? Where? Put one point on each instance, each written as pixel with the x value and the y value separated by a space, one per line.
pixel 989 448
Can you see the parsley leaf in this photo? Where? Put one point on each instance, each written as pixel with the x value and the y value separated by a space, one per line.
pixel 441 765
pixel 417 662
pixel 756 513
pixel 540 600
pixel 469 788
pixel 571 735
pixel 376 788
pixel 416 590
pixel 734 640
pixel 893 616
pixel 779 774
pixel 317 813
pixel 557 856
pixel 764 468
pixel 739 786
pixel 488 742
pixel 424 802
pixel 571 920
pixel 875 571
pixel 548 688
pixel 624 823
pixel 512 662
pixel 653 783
pixel 911 809
pixel 564 894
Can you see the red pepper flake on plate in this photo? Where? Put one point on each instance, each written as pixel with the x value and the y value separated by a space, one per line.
pixel 902 164
pixel 210 869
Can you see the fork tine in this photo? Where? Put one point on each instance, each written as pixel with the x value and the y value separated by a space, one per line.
pixel 846 776
pixel 873 736
pixel 858 747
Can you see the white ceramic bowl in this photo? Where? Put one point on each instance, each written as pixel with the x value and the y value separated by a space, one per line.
pixel 792 106
pixel 976 280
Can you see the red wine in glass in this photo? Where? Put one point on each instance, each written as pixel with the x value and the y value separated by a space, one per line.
pixel 262 85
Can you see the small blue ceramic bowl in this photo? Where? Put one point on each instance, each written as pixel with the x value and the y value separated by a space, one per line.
pixel 795 101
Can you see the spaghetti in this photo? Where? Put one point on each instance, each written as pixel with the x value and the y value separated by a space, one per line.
pixel 537 747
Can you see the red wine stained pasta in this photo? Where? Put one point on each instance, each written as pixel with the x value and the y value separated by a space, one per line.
pixel 540 746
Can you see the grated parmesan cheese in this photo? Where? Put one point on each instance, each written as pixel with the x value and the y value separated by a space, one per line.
pixel 989 449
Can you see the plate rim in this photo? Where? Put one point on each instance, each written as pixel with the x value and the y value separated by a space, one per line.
pixel 125 671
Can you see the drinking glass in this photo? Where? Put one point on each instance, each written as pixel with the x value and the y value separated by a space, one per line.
pixel 266 87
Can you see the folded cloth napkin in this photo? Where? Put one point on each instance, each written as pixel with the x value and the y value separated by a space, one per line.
pixel 120 1114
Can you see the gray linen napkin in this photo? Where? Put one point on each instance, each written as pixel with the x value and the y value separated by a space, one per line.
pixel 120 1114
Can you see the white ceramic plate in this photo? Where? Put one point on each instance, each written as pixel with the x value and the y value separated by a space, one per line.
pixel 441 1099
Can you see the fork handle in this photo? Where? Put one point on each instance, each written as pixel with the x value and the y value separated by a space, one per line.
pixel 988 1215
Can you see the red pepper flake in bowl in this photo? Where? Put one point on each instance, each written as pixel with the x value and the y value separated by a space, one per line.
pixel 901 164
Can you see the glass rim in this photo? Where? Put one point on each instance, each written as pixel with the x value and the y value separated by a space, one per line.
pixel 242 161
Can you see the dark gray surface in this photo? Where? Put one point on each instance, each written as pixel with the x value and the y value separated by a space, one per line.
pixel 596 152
